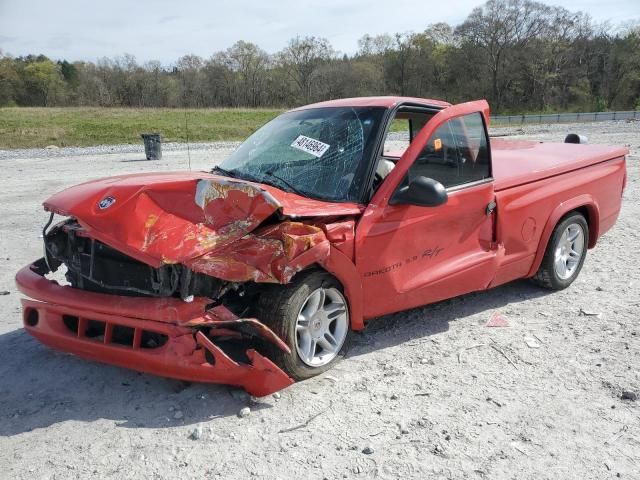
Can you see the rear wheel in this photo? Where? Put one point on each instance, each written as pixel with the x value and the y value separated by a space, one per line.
pixel 311 315
pixel 565 254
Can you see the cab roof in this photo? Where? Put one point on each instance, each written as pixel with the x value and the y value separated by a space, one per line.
pixel 383 101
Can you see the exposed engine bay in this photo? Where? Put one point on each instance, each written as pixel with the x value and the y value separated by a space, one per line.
pixel 96 267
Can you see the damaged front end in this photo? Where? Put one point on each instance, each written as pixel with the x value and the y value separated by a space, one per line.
pixel 194 341
pixel 164 281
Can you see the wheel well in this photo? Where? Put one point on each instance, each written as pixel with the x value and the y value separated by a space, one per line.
pixel 355 323
pixel 589 215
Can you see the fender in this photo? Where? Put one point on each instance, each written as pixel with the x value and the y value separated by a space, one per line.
pixel 339 265
pixel 593 220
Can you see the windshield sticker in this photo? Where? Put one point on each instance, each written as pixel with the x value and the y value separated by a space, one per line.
pixel 310 145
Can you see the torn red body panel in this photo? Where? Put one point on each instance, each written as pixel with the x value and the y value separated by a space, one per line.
pixel 176 218
pixel 341 234
pixel 207 224
pixel 272 254
pixel 220 316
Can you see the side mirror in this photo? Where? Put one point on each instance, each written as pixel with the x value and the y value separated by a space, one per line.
pixel 422 191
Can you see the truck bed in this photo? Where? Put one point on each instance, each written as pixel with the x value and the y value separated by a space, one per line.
pixel 517 162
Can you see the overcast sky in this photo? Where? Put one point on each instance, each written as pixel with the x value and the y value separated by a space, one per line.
pixel 167 29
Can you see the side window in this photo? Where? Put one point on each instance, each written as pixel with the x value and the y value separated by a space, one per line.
pixel 398 138
pixel 456 154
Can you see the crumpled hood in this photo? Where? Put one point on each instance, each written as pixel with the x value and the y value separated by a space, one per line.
pixel 173 217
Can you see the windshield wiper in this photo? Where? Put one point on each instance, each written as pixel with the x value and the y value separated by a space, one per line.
pixel 286 183
pixel 280 181
pixel 227 173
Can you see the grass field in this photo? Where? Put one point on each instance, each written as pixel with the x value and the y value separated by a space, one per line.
pixel 64 127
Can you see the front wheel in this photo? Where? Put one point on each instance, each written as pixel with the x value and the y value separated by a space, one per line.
pixel 311 315
pixel 565 254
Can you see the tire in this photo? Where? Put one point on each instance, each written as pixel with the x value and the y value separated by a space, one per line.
pixel 288 311
pixel 563 250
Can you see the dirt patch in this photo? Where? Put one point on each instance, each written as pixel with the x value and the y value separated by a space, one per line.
pixel 429 392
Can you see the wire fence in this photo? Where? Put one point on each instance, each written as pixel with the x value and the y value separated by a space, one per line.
pixel 564 117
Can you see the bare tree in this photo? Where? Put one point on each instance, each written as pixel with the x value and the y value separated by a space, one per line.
pixel 440 33
pixel 189 71
pixel 249 64
pixel 498 28
pixel 301 60
pixel 376 45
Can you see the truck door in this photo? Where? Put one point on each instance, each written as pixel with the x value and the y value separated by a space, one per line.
pixel 410 255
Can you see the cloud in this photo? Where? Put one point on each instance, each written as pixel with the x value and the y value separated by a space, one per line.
pixel 166 29
pixel 60 42
pixel 169 19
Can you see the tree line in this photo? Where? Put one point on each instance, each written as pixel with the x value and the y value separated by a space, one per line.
pixel 521 55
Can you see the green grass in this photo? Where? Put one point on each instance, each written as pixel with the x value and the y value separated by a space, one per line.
pixel 65 127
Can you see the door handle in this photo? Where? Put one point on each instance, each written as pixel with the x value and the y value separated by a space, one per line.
pixel 490 208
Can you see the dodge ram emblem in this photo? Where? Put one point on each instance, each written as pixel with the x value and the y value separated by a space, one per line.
pixel 106 202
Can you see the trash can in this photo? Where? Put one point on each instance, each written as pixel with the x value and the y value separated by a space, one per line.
pixel 152 146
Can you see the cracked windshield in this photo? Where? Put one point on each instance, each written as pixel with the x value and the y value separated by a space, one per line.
pixel 319 153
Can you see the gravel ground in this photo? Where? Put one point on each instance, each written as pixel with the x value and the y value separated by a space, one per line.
pixel 430 392
pixel 56 152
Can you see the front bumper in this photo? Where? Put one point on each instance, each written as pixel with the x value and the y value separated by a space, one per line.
pixel 115 329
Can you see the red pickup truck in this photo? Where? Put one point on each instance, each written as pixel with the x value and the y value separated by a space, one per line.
pixel 256 273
